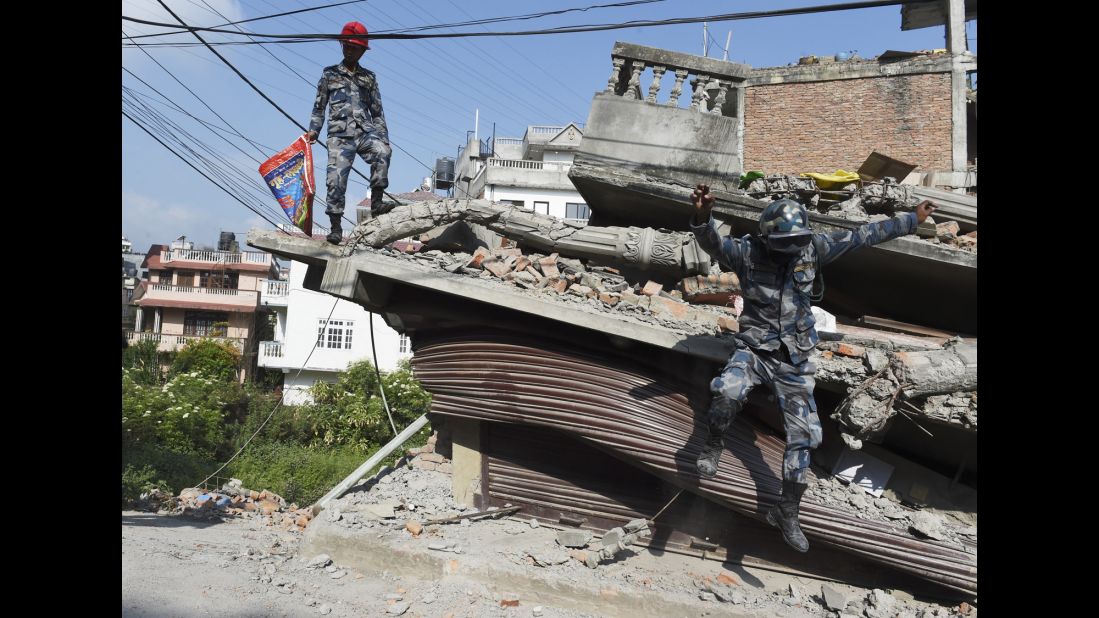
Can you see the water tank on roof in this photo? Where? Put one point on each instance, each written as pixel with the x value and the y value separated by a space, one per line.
pixel 444 173
pixel 225 241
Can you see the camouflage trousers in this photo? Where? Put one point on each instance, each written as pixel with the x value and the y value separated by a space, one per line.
pixel 371 148
pixel 792 386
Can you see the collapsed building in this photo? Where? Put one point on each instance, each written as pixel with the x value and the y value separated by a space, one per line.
pixel 569 364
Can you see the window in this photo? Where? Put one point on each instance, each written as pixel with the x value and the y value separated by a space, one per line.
pixel 541 208
pixel 403 348
pixel 336 336
pixel 205 323
pixel 519 203
pixel 576 211
pixel 218 279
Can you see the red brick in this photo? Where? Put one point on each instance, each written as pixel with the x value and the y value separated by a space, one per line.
pixel 855 351
pixel 728 324
pixel 521 264
pixel 433 438
pixel 446 467
pixel 659 305
pixel 947 228
pixel 479 256
pixel 609 299
pixel 302 521
pixel 534 273
pixel 652 288
pixel 496 267
pixel 725 578
pixel 826 355
pixel 560 285
pixel 414 527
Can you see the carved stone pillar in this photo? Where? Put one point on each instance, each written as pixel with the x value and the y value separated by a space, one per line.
pixel 654 88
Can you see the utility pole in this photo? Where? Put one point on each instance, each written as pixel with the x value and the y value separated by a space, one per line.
pixel 727 39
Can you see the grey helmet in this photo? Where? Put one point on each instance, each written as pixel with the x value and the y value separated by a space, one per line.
pixel 784 226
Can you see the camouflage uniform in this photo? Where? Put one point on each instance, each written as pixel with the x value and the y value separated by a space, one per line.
pixel 777 329
pixel 356 124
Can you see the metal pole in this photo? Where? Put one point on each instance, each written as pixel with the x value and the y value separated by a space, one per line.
pixel 727 39
pixel 705 40
pixel 374 460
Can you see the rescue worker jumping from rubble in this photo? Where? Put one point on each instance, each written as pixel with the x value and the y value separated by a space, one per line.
pixel 356 124
pixel 777 333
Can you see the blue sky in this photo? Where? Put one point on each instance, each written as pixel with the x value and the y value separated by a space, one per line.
pixel 430 88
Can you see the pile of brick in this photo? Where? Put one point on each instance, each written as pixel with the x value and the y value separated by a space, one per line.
pixel 425 458
pixel 562 276
pixel 948 233
pixel 233 500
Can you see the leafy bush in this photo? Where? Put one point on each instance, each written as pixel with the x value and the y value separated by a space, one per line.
pixel 216 359
pixel 297 473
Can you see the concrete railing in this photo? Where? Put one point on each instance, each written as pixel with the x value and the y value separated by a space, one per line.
pixel 523 164
pixel 270 350
pixel 275 288
pixel 223 296
pixel 508 141
pixel 710 88
pixel 171 342
pixel 215 257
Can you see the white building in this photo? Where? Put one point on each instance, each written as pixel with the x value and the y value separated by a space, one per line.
pixel 531 172
pixel 303 325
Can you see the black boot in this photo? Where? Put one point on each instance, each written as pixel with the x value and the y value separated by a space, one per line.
pixel 336 234
pixel 711 453
pixel 377 207
pixel 784 515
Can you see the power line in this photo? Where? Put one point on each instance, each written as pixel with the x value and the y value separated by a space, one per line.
pixel 563 29
pixel 494 20
pixel 244 21
pixel 203 174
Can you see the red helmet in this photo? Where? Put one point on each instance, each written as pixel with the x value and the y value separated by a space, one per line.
pixel 354 27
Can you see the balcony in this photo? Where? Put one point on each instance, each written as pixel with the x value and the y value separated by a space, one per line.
pixel 171 343
pixel 228 299
pixel 271 354
pixel 274 293
pixel 255 258
pixel 531 174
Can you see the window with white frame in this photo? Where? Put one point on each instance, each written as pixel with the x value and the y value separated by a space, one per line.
pixel 576 211
pixel 541 208
pixel 334 334
pixel 403 346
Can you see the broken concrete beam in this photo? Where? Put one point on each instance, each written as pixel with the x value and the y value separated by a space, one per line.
pixel 937 372
pixel 643 248
pixel 652 288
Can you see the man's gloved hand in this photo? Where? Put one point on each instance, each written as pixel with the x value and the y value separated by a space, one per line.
pixel 924 210
pixel 703 202
pixel 311 137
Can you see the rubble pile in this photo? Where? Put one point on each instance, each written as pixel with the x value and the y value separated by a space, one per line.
pixel 232 500
pixel 882 381
pixel 831 491
pixel 861 202
pixel 603 288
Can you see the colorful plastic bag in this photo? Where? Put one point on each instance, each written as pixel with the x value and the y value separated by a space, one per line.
pixel 289 175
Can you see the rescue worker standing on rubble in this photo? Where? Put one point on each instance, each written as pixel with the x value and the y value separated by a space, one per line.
pixel 777 333
pixel 356 124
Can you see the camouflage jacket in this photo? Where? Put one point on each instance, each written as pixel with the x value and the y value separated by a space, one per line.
pixel 776 296
pixel 353 101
